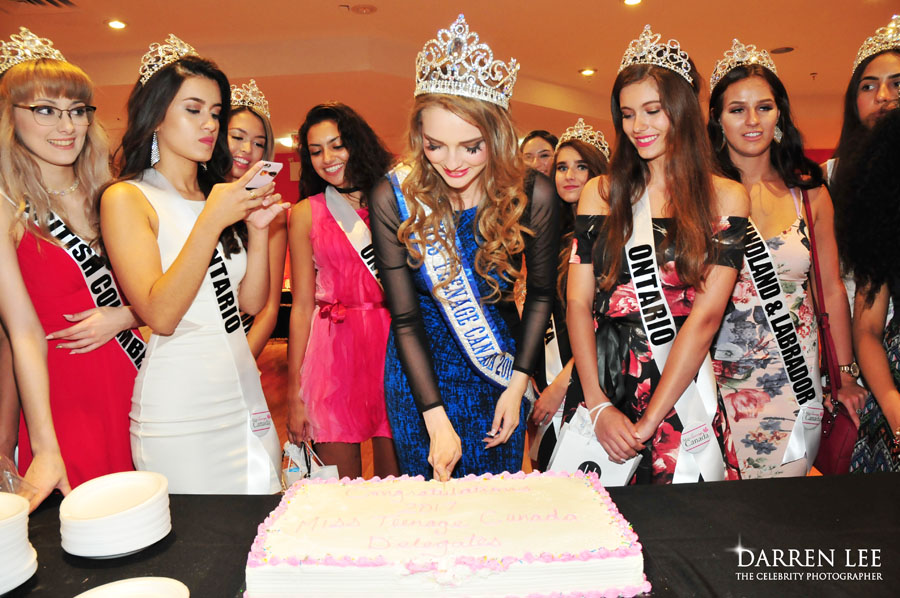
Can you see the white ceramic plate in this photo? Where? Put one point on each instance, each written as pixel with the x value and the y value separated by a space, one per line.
pixel 113 495
pixel 121 547
pixel 17 575
pixel 12 508
pixel 140 587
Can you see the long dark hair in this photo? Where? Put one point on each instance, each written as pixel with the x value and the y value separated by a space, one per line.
pixel 867 234
pixel 852 129
pixel 369 158
pixel 147 107
pixel 688 169
pixel 787 157
pixel 597 164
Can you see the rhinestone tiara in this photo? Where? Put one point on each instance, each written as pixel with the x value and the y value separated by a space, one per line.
pixel 885 38
pixel 160 55
pixel 457 64
pixel 587 134
pixel 249 95
pixel 740 55
pixel 647 49
pixel 24 47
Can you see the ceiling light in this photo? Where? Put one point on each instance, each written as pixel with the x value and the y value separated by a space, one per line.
pixel 632 2
pixel 286 141
pixel 587 72
pixel 363 9
pixel 116 24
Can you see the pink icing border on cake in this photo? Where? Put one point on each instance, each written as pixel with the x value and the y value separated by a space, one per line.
pixel 258 556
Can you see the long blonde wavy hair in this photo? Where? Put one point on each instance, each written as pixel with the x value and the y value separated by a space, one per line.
pixel 497 221
pixel 20 175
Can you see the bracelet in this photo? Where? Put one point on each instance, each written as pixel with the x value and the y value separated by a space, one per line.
pixel 897 436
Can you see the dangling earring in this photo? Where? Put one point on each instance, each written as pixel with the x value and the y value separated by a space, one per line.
pixel 154 150
pixel 778 134
pixel 724 140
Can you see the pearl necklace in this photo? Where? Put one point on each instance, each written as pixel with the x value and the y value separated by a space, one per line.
pixel 64 191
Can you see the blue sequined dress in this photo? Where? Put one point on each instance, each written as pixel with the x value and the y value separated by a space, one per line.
pixel 424 365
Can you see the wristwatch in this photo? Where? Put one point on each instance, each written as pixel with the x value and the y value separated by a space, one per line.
pixel 852 368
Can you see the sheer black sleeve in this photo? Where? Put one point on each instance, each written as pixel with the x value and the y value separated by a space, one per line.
pixel 541 255
pixel 401 297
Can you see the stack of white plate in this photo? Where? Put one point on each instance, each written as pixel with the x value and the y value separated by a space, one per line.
pixel 115 515
pixel 18 560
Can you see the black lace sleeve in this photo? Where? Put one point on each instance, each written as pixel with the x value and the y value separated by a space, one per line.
pixel 401 297
pixel 541 254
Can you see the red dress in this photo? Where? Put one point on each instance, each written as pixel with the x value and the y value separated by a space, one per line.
pixel 90 393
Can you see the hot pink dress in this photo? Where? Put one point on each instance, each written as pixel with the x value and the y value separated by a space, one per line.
pixel 342 378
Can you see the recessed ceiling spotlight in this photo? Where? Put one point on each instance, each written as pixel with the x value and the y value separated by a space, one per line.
pixel 587 72
pixel 632 2
pixel 116 24
pixel 286 141
pixel 363 9
pixel 781 50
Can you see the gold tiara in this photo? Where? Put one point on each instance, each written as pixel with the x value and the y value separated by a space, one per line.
pixel 24 47
pixel 586 133
pixel 740 55
pixel 647 49
pixel 250 96
pixel 885 38
pixel 456 63
pixel 160 55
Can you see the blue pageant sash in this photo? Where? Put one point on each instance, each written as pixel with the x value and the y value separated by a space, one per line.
pixel 460 304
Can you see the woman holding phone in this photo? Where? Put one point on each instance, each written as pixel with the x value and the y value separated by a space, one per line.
pixel 190 251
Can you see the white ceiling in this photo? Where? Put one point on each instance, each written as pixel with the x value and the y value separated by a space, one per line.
pixel 302 52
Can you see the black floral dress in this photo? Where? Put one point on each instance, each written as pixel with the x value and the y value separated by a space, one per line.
pixel 627 373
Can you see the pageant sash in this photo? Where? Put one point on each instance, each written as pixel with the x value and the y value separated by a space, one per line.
pixel 99 281
pixel 262 439
pixel 698 451
pixel 460 304
pixel 354 227
pixel 553 364
pixel 805 384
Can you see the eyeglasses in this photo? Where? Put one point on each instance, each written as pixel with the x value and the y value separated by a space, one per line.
pixel 50 115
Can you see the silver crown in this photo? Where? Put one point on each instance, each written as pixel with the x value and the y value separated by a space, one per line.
pixel 885 38
pixel 249 95
pixel 587 134
pixel 457 64
pixel 160 55
pixel 647 49
pixel 26 46
pixel 740 55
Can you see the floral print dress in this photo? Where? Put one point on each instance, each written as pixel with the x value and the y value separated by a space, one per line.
pixel 750 373
pixel 627 373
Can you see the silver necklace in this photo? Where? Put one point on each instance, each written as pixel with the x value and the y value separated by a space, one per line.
pixel 64 191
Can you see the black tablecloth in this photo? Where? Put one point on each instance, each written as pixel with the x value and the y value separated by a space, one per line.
pixel 689 533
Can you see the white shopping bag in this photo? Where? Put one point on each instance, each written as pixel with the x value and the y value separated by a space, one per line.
pixel 579 450
pixel 302 462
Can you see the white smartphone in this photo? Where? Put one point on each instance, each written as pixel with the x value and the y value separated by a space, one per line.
pixel 265 175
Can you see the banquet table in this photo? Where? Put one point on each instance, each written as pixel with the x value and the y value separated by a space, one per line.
pixel 845 531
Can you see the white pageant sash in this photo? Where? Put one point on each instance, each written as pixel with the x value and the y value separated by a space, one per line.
pixel 553 364
pixel 805 385
pixel 99 281
pixel 263 448
pixel 460 304
pixel 354 227
pixel 698 452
